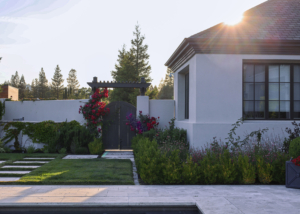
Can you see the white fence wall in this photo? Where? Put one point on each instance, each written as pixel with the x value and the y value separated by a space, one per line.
pixel 55 110
pixel 164 109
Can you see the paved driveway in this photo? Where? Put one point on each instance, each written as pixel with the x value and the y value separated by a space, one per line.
pixel 214 199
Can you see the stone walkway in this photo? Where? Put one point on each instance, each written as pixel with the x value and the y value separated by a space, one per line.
pixel 214 199
pixel 81 157
pixel 123 155
pixel 15 168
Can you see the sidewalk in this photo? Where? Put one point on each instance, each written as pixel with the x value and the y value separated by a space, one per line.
pixel 214 199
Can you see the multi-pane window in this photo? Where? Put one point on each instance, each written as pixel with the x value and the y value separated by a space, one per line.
pixel 271 91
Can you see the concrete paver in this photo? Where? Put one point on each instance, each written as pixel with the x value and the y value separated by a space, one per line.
pixel 9 179
pixel 14 172
pixel 38 158
pixel 21 166
pixel 31 162
pixel 2 161
pixel 81 156
pixel 216 199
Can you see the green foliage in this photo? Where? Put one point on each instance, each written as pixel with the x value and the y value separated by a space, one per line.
pixel 209 169
pixel 2 109
pixel 57 82
pixel 172 168
pixel 246 169
pixel 30 149
pixel 12 131
pixel 190 172
pixel 278 173
pixel 295 133
pixel 7 150
pixel 62 151
pixel 81 150
pixel 294 150
pixel 2 150
pixel 264 171
pixel 41 132
pixel 96 147
pixel 150 134
pixel 228 168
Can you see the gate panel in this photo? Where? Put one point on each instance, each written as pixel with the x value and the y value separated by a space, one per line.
pixel 126 135
pixel 116 135
pixel 111 131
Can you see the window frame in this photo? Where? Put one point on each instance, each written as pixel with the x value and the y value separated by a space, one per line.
pixel 186 95
pixel 268 63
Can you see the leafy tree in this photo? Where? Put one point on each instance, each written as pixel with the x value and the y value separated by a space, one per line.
pixel 22 87
pixel 125 71
pixel 15 79
pixel 73 83
pixel 57 82
pixel 165 88
pixel 42 83
pixel 141 57
pixel 152 92
pixel 35 88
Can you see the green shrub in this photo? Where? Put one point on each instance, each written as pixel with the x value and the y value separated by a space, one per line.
pixel 81 150
pixel 264 171
pixel 62 151
pixel 41 132
pixel 96 147
pixel 294 150
pixel 210 169
pixel 171 168
pixel 2 150
pixel 246 169
pixel 278 173
pixel 30 149
pixel 228 168
pixel 150 134
pixel 190 172
pixel 7 150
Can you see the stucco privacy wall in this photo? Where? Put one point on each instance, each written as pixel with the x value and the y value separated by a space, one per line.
pixel 56 110
pixel 215 100
pixel 164 109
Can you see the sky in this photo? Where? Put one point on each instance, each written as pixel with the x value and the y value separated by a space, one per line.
pixel 86 34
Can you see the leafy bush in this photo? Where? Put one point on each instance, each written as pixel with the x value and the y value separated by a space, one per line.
pixel 30 149
pixel 96 147
pixel 12 131
pixel 292 135
pixel 2 150
pixel 81 150
pixel 41 132
pixel 62 151
pixel 264 171
pixel 294 150
pixel 247 170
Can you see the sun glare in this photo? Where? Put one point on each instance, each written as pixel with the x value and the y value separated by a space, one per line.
pixel 233 20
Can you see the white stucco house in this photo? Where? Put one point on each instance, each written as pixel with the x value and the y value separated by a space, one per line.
pixel 250 70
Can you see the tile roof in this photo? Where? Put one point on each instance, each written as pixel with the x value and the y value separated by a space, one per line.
pixel 271 20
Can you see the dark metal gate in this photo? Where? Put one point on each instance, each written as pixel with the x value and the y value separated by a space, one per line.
pixel 116 134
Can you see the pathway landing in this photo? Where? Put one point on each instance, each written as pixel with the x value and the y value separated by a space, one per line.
pixel 214 199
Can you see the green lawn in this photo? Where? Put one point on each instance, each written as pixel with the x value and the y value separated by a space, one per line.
pixel 59 171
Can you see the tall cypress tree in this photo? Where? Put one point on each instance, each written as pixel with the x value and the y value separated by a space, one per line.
pixel 141 57
pixel 42 84
pixel 15 80
pixel 165 88
pixel 73 83
pixel 22 87
pixel 57 82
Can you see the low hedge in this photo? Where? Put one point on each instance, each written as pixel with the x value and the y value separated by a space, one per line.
pixel 157 167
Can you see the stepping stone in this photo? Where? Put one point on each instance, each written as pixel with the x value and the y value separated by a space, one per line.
pixel 81 156
pixel 2 161
pixel 32 167
pixel 38 158
pixel 31 162
pixel 14 172
pixel 9 179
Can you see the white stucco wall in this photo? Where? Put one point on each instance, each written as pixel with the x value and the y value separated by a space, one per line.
pixel 164 109
pixel 216 97
pixel 55 110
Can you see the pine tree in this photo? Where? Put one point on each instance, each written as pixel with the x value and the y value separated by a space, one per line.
pixel 22 87
pixel 142 67
pixel 15 79
pixel 152 92
pixel 165 88
pixel 125 71
pixel 73 83
pixel 35 88
pixel 42 84
pixel 57 82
